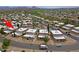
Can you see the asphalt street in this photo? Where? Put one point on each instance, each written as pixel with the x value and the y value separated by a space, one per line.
pixel 50 47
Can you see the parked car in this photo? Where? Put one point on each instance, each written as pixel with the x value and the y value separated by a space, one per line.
pixel 43 47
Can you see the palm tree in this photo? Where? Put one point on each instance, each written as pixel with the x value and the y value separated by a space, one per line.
pixel 18 25
pixel 48 28
pixel 34 24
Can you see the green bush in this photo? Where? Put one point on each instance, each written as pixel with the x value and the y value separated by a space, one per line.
pixel 65 20
pixel 77 25
pixel 5 43
pixel 1 31
pixel 46 39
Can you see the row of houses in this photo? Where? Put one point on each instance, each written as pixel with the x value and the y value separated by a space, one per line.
pixel 27 33
pixel 31 33
pixel 67 28
pixel 71 29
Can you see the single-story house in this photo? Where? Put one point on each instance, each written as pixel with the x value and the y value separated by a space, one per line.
pixel 58 35
pixel 7 31
pixel 67 27
pixel 20 31
pixel 30 33
pixel 75 32
pixel 42 33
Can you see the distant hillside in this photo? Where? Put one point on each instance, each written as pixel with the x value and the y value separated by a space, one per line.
pixel 34 7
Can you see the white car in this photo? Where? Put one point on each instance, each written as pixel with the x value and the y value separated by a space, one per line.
pixel 43 47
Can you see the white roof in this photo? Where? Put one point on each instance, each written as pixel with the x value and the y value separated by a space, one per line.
pixel 57 25
pixel 69 25
pixel 29 35
pixel 15 27
pixel 11 28
pixel 22 29
pixel 75 31
pixel 76 28
pixel 7 31
pixel 41 36
pixel 31 30
pixel 56 32
pixel 13 21
pixel 59 37
pixel 67 28
pixel 43 31
pixel 29 22
pixel 18 33
pixel 61 23
pixel 2 26
pixel 55 21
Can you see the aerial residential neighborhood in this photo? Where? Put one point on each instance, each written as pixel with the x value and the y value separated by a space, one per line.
pixel 36 29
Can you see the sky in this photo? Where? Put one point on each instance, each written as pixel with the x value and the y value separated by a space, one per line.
pixel 57 6
pixel 39 2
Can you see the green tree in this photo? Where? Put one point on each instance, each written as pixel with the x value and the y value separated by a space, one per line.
pixel 46 39
pixel 48 28
pixel 5 43
pixel 78 17
pixel 66 20
pixel 34 24
pixel 18 25
pixel 77 25
pixel 2 31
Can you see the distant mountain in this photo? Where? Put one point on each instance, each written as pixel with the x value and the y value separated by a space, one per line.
pixel 37 7
pixel 12 7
